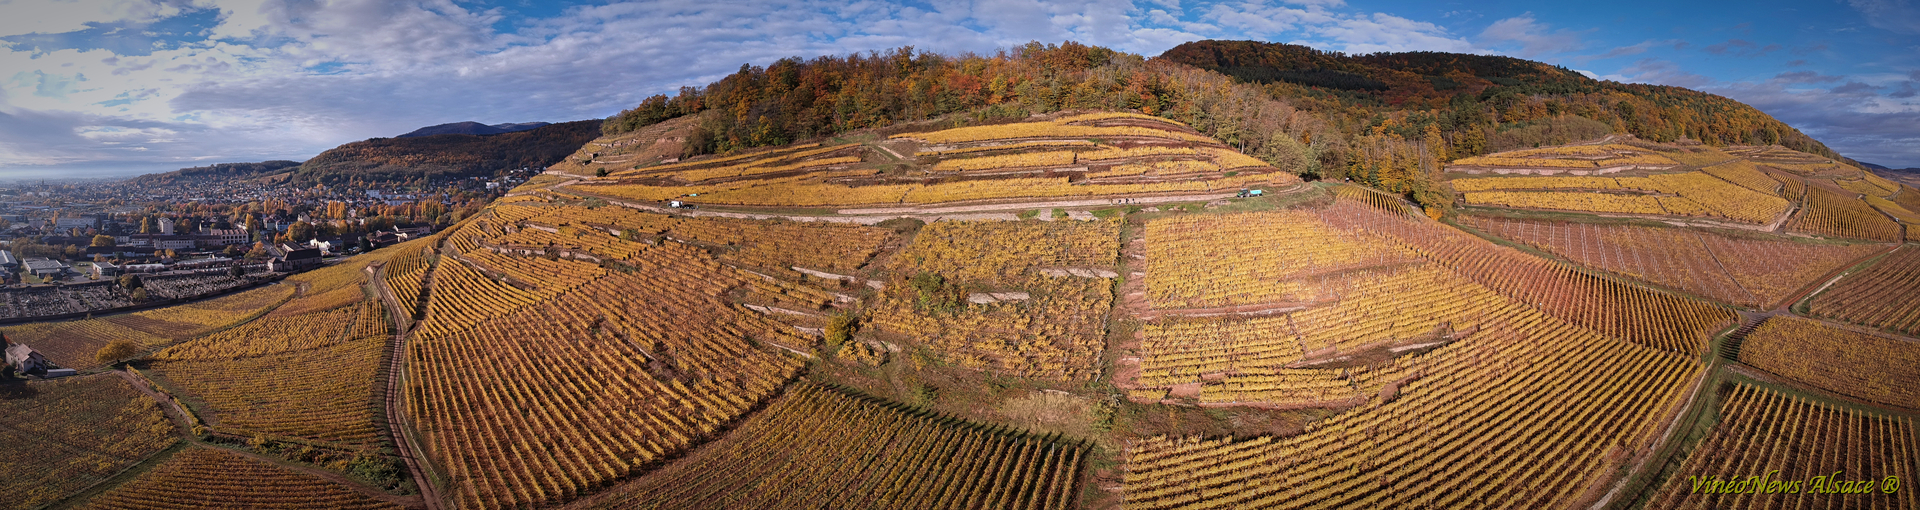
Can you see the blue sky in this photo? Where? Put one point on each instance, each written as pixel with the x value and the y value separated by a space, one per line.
pixel 96 87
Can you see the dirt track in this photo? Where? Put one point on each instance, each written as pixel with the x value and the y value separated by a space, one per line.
pixel 870 216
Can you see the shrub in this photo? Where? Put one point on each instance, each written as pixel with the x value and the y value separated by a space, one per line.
pixel 117 351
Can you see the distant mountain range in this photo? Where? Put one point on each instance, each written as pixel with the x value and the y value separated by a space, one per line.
pixel 474 128
pixel 1908 176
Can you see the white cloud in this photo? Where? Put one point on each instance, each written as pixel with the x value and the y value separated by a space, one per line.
pixel 1260 19
pixel 1900 16
pixel 1385 32
pixel 1534 38
pixel 57 16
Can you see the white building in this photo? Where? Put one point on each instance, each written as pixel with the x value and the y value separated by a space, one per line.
pixel 166 226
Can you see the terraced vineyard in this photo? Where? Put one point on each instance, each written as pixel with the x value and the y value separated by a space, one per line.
pixel 1043 159
pixel 1828 213
pixel 1053 332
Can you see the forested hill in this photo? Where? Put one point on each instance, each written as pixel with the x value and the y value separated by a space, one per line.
pixel 222 171
pixel 449 155
pixel 1467 91
pixel 1387 120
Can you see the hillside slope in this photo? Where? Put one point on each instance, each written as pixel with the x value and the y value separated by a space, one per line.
pixel 1391 121
pixel 222 171
pixel 1483 91
pixel 451 155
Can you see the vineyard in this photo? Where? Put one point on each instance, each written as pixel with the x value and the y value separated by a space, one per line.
pixel 1251 258
pixel 61 436
pixel 1054 334
pixel 794 454
pixel 1831 214
pixel 1694 194
pixel 1880 296
pixel 1063 128
pixel 1747 271
pixel 1327 345
pixel 654 362
pixel 201 477
pixel 1746 175
pixel 1079 156
pixel 1526 398
pixel 1802 444
pixel 406 272
pixel 1573 156
pixel 1879 369
pixel 1609 307
pixel 308 377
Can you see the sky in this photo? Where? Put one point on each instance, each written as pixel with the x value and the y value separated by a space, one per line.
pixel 124 87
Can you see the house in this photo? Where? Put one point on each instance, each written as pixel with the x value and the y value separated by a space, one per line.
pixel 7 262
pixel 295 260
pixel 166 226
pixel 46 267
pixel 105 269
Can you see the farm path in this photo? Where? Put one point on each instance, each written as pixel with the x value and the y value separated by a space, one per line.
pixel 398 423
pixel 869 216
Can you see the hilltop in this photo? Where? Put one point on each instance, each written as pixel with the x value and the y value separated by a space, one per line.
pixel 1465 91
pixel 473 128
pixel 446 155
pixel 236 172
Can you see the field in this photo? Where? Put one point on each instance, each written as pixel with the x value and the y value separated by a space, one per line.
pixel 61 436
pixel 1880 296
pixel 793 455
pixel 1880 369
pixel 1806 446
pixel 1747 271
pixel 210 478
